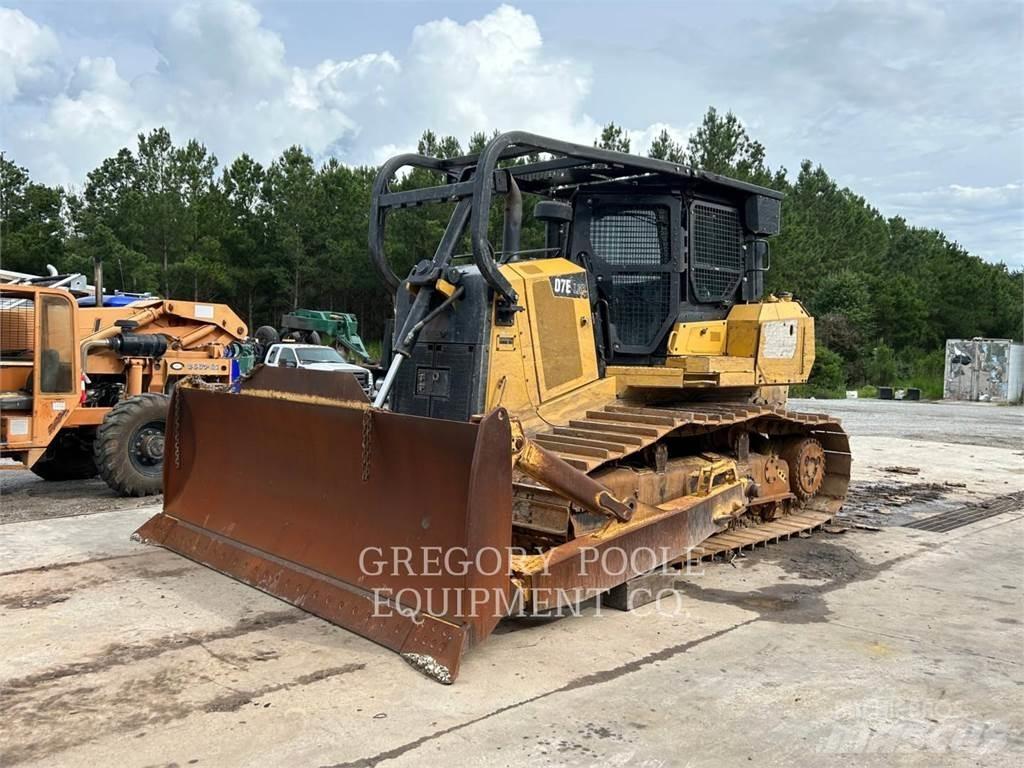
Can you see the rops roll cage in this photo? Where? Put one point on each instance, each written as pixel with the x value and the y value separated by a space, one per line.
pixel 471 182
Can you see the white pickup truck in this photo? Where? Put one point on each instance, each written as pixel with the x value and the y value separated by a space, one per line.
pixel 317 358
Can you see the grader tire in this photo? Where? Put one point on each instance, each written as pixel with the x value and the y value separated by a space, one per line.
pixel 129 445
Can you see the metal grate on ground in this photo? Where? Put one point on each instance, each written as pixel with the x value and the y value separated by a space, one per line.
pixel 958 518
pixel 738 539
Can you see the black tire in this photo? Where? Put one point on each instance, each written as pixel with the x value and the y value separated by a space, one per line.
pixel 127 444
pixel 68 458
pixel 313 338
pixel 266 336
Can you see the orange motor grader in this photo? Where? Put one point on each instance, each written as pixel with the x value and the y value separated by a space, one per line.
pixel 85 390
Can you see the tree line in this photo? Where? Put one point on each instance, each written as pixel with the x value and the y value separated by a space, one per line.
pixel 169 219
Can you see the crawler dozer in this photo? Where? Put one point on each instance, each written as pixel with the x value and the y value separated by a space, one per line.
pixel 554 420
pixel 84 390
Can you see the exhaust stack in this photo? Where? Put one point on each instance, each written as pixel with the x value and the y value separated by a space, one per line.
pixel 97 278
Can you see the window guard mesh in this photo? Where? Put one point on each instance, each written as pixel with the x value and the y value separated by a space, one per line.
pixel 626 238
pixel 717 251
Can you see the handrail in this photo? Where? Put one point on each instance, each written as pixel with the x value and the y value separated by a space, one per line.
pixel 378 212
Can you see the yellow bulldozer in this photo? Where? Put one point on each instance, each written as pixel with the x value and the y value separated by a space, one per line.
pixel 554 421
pixel 84 390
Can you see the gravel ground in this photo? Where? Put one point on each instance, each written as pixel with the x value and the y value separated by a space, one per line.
pixel 940 421
pixel 23 496
pixel 916 459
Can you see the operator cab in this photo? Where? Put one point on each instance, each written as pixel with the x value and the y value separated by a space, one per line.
pixel 36 334
pixel 659 247
pixel 656 260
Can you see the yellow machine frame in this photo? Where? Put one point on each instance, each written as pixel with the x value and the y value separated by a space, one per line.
pixel 548 369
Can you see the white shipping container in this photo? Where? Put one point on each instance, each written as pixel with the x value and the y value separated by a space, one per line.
pixel 987 370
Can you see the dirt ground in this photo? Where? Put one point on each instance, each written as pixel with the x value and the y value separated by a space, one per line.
pixel 874 644
pixel 26 497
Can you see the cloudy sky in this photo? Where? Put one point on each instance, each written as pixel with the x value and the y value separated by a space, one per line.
pixel 918 106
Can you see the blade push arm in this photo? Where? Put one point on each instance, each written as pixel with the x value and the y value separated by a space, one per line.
pixel 545 467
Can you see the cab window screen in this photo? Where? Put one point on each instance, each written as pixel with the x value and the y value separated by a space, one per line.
pixel 630 236
pixel 17 328
pixel 717 252
pixel 634 242
pixel 56 334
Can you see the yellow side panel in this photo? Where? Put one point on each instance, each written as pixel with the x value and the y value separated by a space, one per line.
pixel 558 309
pixel 771 342
pixel 707 338
pixel 549 350
pixel 555 344
pixel 511 382
pixel 779 334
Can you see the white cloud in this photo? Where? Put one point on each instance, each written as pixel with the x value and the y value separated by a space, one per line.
pixel 492 73
pixel 222 45
pixel 964 198
pixel 1007 194
pixel 27 54
pixel 640 140
pixel 95 111
pixel 345 84
pixel 225 78
pixel 97 75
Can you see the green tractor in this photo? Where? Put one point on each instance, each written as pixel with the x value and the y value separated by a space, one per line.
pixel 312 326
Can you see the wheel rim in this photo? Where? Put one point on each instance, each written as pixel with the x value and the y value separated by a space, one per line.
pixel 146 448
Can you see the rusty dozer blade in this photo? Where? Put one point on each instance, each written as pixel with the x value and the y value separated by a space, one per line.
pixel 395 527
